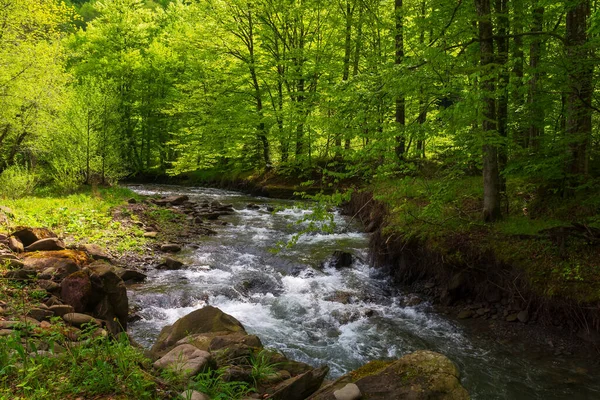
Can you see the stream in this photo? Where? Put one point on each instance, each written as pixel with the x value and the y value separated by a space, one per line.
pixel 299 304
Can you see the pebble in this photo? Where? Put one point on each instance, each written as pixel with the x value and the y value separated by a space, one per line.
pixel 348 392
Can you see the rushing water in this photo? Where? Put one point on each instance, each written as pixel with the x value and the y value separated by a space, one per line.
pixel 321 315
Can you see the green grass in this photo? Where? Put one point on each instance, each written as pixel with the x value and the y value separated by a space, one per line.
pixel 81 217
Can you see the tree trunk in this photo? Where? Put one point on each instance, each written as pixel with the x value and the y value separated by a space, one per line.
pixel 536 110
pixel 580 89
pixel 400 101
pixel 491 176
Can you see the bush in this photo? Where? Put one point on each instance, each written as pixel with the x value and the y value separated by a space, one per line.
pixel 17 182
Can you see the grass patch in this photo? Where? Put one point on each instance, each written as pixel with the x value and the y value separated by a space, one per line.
pixel 82 217
pixel 445 214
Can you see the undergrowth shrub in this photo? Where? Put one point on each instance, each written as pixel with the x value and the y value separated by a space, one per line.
pixel 16 182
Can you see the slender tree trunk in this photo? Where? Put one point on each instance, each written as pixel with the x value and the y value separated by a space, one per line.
pixel 536 109
pixel 400 116
pixel 491 176
pixel 87 150
pixel 580 89
pixel 503 80
pixel 518 55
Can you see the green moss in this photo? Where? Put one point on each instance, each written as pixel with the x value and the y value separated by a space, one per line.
pixel 369 369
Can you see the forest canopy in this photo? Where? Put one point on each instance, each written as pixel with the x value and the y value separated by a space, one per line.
pixel 99 90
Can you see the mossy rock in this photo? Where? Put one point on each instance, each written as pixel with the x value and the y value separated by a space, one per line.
pixel 420 375
pixel 204 320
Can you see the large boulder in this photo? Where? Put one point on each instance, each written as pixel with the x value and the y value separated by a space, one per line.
pixel 76 291
pixel 28 236
pixel 204 320
pixel 52 267
pixel 15 245
pixel 110 295
pixel 421 375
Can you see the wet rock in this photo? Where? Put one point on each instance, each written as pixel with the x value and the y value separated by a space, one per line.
pixel 172 200
pixel 523 316
pixel 131 275
pixel 170 248
pixel 270 209
pixel 348 392
pixel 207 319
pixel 341 259
pixel 76 290
pixel 28 236
pixel 49 244
pixel 96 252
pixel 299 387
pixel 15 245
pixel 134 318
pixel 465 314
pixel 78 319
pixel 184 360
pixel 171 263
pixel 252 206
pixel 421 375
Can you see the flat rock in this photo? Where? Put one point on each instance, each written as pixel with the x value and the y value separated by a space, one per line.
pixel 9 324
pixel 185 360
pixel 96 252
pixel 21 274
pixel 151 234
pixel 79 319
pixel 61 309
pixel 48 244
pixel 5 332
pixel 48 285
pixel 40 314
pixel 348 392
pixel 301 386
pixel 170 248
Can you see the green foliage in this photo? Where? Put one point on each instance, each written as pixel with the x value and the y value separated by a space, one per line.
pixel 99 365
pixel 262 366
pixel 17 182
pixel 212 384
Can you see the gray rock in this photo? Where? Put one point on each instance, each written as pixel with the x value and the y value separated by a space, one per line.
pixel 48 244
pixel 523 316
pixel 185 360
pixel 48 285
pixel 348 392
pixel 21 274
